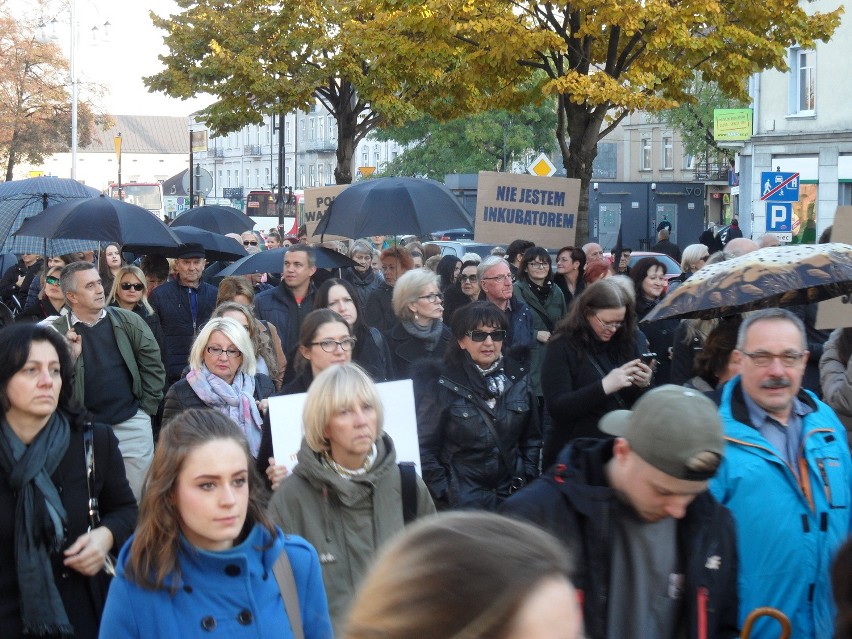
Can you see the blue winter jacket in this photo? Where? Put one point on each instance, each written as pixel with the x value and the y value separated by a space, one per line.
pixel 787 532
pixel 232 593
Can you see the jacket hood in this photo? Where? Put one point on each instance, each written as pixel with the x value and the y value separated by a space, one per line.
pixel 349 491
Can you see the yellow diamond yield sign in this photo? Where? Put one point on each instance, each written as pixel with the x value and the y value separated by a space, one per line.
pixel 542 166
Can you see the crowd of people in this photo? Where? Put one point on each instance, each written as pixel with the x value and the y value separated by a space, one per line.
pixel 593 475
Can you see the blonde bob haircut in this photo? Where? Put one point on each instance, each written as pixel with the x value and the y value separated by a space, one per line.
pixel 335 389
pixel 135 271
pixel 234 331
pixel 409 287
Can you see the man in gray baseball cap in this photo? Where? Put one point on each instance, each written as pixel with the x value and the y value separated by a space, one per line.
pixel 655 553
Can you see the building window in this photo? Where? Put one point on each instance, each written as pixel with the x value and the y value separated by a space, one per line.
pixel 668 152
pixel 257 178
pixel 320 179
pixel 802 81
pixel 844 196
pixel 321 129
pixel 266 174
pixel 688 161
pixel 332 128
pixel 645 155
pixel 229 178
pixel 365 158
pixel 313 129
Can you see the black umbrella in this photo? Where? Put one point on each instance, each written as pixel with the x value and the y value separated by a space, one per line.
pixel 102 219
pixel 272 261
pixel 393 206
pixel 216 246
pixel 217 219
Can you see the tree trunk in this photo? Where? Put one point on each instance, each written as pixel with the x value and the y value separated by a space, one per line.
pixel 346 114
pixel 10 165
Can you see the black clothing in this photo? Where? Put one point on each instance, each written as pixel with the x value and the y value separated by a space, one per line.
pixel 363 285
pixel 12 295
pixel 559 280
pixel 572 383
pixel 42 309
pixel 669 248
pixel 577 505
pixel 661 336
pixel 378 312
pixel 454 299
pixel 299 384
pixel 405 349
pixel 462 464
pixel 371 353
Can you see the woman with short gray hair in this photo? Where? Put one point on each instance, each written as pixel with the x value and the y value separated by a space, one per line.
pixel 420 332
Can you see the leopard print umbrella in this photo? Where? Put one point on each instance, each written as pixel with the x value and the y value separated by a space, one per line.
pixel 768 277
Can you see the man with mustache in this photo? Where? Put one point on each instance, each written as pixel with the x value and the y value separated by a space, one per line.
pixel 785 476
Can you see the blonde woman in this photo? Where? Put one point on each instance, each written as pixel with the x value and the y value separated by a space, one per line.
pixel 130 292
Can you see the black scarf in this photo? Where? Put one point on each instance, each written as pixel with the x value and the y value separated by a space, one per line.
pixel 39 522
pixel 541 292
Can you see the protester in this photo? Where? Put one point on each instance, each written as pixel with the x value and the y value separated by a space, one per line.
pixel 655 554
pixel 52 581
pixel 496 282
pixel 50 301
pixel 786 477
pixel 592 364
pixel 130 292
pixel 379 313
pixel 420 331
pixel 734 231
pixel 515 253
pixel 714 361
pixel 15 283
pixel 597 270
pixel 593 251
pixel 205 557
pixel 118 369
pixel 570 265
pixel 463 291
pixel 183 305
pixel 223 376
pixel 156 269
pixel 109 261
pixel 448 270
pixel 37 285
pixel 477 417
pixel 471 575
pixel 326 339
pixel 361 276
pixel 694 258
pixel 665 246
pixel 648 275
pixel 739 246
pixel 264 353
pixel 621 261
pixel 835 367
pixel 371 349
pixel 346 495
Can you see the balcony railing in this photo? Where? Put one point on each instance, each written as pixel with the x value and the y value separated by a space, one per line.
pixel 711 173
pixel 251 149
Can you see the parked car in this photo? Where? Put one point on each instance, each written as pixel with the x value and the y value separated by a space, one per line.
pixel 672 267
pixel 453 234
pixel 459 248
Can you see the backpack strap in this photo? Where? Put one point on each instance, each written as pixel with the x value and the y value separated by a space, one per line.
pixel 283 572
pixel 408 482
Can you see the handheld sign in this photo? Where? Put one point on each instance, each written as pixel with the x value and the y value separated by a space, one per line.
pixel 540 209
pixel 285 415
pixel 837 312
pixel 317 202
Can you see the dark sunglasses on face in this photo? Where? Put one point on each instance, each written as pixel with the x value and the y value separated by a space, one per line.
pixel 480 336
pixel 249 243
pixel 468 278
pixel 126 286
pixel 50 279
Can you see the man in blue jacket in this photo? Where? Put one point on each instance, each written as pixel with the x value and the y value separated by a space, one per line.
pixel 497 286
pixel 786 478
pixel 655 555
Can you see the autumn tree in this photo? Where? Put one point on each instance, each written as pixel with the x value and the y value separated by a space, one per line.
pixel 602 59
pixel 488 141
pixel 259 56
pixel 34 103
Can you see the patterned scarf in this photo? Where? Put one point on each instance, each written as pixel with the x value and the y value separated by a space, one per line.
pixel 489 383
pixel 236 400
pixel 39 521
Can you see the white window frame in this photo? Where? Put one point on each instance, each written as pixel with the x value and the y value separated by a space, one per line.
pixel 645 153
pixel 667 147
pixel 803 78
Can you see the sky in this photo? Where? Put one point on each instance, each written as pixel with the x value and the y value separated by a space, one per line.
pixel 126 57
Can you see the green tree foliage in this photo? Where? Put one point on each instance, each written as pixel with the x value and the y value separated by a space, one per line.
pixel 471 144
pixel 602 59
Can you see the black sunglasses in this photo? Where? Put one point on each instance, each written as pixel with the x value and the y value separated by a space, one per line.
pixel 50 279
pixel 480 336
pixel 126 286
pixel 250 243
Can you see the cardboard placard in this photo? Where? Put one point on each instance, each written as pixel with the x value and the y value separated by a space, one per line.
pixel 317 201
pixel 285 416
pixel 837 313
pixel 540 209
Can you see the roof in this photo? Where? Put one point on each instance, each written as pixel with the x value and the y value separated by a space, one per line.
pixel 142 134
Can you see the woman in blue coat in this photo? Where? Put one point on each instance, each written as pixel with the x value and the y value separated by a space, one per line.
pixel 202 561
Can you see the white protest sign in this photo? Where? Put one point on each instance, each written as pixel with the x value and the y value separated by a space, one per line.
pixel 285 415
pixel 540 209
pixel 837 313
pixel 317 202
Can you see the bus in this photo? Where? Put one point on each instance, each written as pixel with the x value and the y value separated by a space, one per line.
pixel 260 206
pixel 148 195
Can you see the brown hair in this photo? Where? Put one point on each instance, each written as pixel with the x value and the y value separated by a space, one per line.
pixel 462 575
pixel 154 553
pixel 310 325
pixel 232 286
pixel 401 255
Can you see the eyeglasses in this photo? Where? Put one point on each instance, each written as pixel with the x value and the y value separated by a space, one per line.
pixel 467 278
pixel 501 278
pixel 538 264
pixel 50 279
pixel 432 297
pixel 232 353
pixel 330 345
pixel 764 359
pixel 480 336
pixel 609 326
pixel 126 286
pixel 249 243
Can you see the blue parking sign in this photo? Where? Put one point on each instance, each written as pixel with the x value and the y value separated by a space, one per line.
pixel 779 217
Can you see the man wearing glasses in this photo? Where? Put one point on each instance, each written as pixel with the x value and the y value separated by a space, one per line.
pixel 496 283
pixel 786 478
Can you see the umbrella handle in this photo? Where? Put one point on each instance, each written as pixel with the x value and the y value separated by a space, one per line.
pixel 766 611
